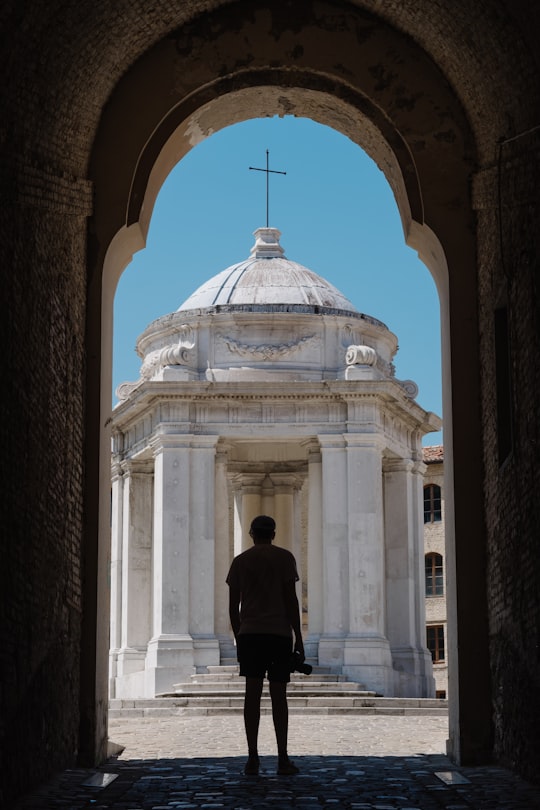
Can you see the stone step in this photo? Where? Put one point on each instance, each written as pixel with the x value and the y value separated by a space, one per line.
pixel 226 684
pixel 318 691
pixel 238 686
pixel 306 704
pixel 220 690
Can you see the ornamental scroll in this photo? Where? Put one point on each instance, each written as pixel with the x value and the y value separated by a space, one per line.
pixel 360 356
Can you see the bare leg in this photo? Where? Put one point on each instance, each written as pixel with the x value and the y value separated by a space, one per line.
pixel 252 712
pixel 280 715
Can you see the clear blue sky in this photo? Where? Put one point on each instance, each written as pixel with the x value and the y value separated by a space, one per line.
pixel 337 215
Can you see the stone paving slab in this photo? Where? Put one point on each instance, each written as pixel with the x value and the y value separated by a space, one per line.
pixel 354 763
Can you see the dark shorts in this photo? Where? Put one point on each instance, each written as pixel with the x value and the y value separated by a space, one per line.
pixel 262 654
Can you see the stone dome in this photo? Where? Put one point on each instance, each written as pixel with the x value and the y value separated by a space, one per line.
pixel 267 278
pixel 265 319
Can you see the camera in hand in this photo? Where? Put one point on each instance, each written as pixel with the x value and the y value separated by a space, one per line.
pixel 299 665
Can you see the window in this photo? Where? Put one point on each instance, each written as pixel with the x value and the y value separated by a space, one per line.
pixel 434 575
pixel 435 642
pixel 432 503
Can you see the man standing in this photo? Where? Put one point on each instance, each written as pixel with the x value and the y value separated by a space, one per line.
pixel 264 613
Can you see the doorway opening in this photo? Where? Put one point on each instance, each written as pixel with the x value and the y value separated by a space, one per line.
pixel 346 257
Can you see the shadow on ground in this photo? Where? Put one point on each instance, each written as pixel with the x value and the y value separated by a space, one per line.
pixel 419 782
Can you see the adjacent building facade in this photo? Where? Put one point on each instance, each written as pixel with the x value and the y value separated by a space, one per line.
pixel 435 566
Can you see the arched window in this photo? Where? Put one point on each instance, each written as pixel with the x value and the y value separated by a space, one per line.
pixel 432 503
pixel 434 575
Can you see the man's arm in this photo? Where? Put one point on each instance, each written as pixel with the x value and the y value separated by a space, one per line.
pixel 234 609
pixel 293 614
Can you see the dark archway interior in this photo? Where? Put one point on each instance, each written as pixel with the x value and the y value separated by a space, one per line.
pixel 446 100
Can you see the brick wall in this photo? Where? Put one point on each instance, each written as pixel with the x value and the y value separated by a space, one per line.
pixel 509 275
pixel 42 338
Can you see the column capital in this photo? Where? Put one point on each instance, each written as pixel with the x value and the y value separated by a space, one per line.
pixel 286 481
pixel 170 441
pixel 391 465
pixel 333 441
pixel 204 442
pixel 116 470
pixel 247 482
pixel 367 441
pixel 131 466
pixel 223 450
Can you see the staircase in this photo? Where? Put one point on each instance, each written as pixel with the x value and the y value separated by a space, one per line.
pixel 220 691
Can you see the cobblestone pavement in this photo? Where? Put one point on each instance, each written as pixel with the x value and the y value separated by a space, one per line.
pixel 358 763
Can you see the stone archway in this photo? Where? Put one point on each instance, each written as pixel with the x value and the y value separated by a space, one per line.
pixel 392 100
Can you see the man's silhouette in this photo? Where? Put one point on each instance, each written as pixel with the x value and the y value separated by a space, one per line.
pixel 264 613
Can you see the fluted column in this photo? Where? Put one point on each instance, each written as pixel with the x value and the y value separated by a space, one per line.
pixel 404 578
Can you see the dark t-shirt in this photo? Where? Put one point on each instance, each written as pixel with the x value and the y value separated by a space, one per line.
pixel 259 574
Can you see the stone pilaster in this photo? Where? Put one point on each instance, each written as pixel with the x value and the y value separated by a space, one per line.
pixel 136 576
pixel 202 551
pixel 334 551
pixel 367 653
pixel 117 500
pixel 222 553
pixel 170 657
pixel 314 552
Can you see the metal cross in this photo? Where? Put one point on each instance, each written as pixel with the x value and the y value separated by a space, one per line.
pixel 268 173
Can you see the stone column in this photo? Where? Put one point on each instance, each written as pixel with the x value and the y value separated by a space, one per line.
pixel 284 486
pixel 117 502
pixel 314 552
pixel 297 527
pixel 267 496
pixel 136 578
pixel 237 515
pixel 201 551
pixel 222 554
pixel 367 653
pixel 404 578
pixel 248 505
pixel 335 551
pixel 170 657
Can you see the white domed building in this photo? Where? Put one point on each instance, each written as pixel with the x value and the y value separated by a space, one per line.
pixel 267 391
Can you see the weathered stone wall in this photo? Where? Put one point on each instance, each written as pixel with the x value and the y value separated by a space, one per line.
pixel 509 250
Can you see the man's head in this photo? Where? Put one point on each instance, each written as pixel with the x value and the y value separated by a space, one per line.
pixel 262 529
